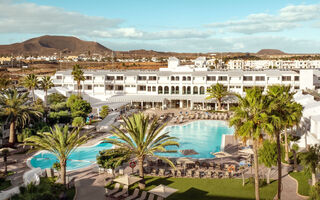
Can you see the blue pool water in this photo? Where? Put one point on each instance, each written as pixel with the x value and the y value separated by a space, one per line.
pixel 203 136
pixel 80 158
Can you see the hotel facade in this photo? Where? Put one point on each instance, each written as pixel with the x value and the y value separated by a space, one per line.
pixel 179 86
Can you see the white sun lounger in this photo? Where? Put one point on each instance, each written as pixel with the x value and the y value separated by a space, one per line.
pixel 134 195
pixel 143 196
pixel 115 189
pixel 151 196
pixel 123 191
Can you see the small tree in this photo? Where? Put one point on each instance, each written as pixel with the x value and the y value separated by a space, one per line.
pixel 78 106
pixel 5 153
pixel 310 160
pixel 217 91
pixel 78 122
pixel 112 158
pixel 295 149
pixel 268 156
pixel 55 98
pixel 104 111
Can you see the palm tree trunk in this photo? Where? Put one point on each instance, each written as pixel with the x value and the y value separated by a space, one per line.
pixel 79 90
pixel 141 174
pixel 12 136
pixel 279 166
pixel 5 158
pixel 313 176
pixel 45 98
pixel 256 170
pixel 295 163
pixel 219 104
pixel 242 175
pixel 63 171
pixel 286 145
pixel 268 175
pixel 33 95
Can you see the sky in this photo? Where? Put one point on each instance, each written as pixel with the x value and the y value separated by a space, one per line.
pixel 169 25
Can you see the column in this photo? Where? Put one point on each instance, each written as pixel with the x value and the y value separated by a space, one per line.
pixel 228 106
pixel 181 103
pixel 141 105
pixel 215 106
pixel 191 105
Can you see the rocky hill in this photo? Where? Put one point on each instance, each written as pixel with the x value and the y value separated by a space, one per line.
pixel 270 52
pixel 48 45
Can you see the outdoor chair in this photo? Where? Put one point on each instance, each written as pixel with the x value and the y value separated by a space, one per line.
pixel 115 189
pixel 134 195
pixel 160 198
pixel 122 192
pixel 151 196
pixel 143 196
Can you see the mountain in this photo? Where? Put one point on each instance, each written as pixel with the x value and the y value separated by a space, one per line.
pixel 270 52
pixel 48 45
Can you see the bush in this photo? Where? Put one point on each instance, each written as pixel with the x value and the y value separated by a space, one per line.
pixel 315 192
pixel 59 117
pixel 59 106
pixel 78 122
pixel 26 132
pixel 104 111
pixel 78 106
pixel 55 98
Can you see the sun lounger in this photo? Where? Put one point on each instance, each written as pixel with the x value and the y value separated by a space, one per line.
pixel 134 195
pixel 160 198
pixel 197 174
pixel 143 196
pixel 151 196
pixel 115 189
pixel 189 173
pixel 179 174
pixel 122 192
pixel 161 172
pixel 154 171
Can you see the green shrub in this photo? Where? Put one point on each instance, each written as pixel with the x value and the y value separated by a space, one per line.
pixel 315 192
pixel 55 98
pixel 59 106
pixel 78 106
pixel 104 111
pixel 78 122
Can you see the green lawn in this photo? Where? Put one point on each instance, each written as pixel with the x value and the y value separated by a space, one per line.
pixel 302 178
pixel 203 189
pixel 4 184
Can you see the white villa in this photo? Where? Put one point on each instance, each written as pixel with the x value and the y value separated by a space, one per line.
pixel 178 85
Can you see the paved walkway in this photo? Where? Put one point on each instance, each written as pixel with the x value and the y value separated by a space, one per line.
pixel 289 191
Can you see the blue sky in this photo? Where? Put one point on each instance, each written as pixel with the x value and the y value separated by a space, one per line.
pixel 169 25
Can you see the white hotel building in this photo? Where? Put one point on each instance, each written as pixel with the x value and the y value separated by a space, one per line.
pixel 178 85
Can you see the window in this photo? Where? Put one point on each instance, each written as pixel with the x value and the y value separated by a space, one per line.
pixel 172 78
pixel 188 90
pixel 88 77
pixel 89 87
pixel 160 90
pixel 110 78
pixel 149 88
pixel 222 78
pixel 153 88
pixel 201 90
pixel 247 78
pixel 177 78
pixel 119 78
pixel 184 78
pixel 195 90
pixel 152 78
pixel 142 78
pixel 189 78
pixel 59 77
pixel 296 87
pixel 260 78
pixel 119 87
pixel 286 78
pixel 296 78
pixel 166 90
pixel 109 87
pixel 211 78
pixel 141 88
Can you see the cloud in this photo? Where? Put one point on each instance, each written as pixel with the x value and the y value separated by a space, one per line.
pixel 287 18
pixel 33 18
pixel 30 18
pixel 133 33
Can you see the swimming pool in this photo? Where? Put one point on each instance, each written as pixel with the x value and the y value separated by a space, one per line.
pixel 203 136
pixel 80 158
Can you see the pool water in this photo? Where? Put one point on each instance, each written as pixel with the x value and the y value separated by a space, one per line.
pixel 203 136
pixel 80 158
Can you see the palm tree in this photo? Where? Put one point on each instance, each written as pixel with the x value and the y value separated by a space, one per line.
pixel 77 74
pixel 5 154
pixel 280 99
pixel 310 160
pixel 143 138
pixel 217 91
pixel 46 84
pixel 14 106
pixel 31 83
pixel 61 142
pixel 4 82
pixel 292 118
pixel 250 119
